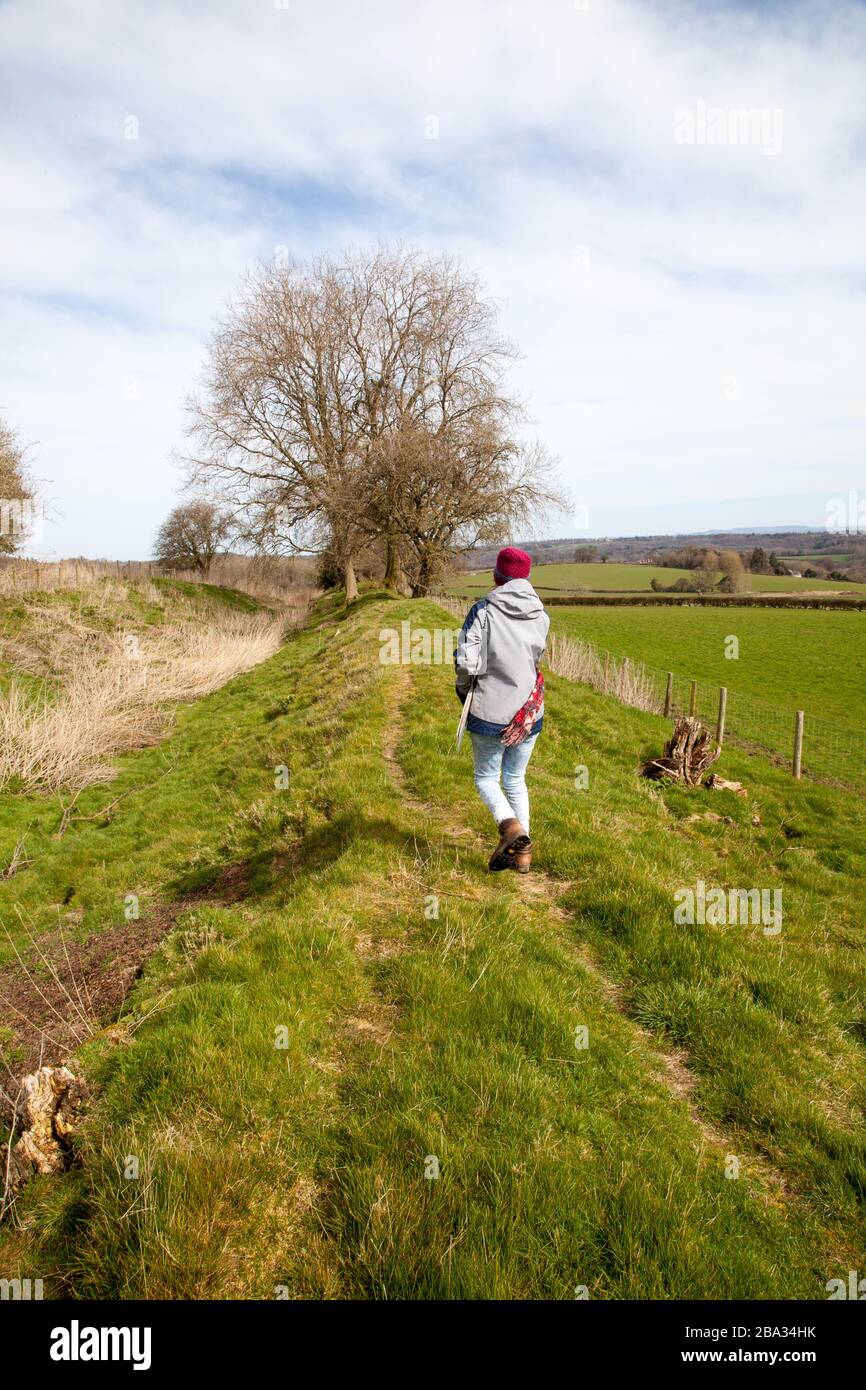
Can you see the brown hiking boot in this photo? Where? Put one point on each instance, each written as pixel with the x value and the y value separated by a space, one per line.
pixel 512 840
pixel 522 860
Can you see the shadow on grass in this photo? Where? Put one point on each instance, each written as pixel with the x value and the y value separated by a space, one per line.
pixel 259 873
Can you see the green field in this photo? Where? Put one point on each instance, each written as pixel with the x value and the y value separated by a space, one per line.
pixel 811 659
pixel 827 556
pixel 598 578
pixel 570 577
pixel 778 584
pixel 343 995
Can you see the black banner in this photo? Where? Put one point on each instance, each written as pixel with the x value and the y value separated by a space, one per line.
pixel 81 1339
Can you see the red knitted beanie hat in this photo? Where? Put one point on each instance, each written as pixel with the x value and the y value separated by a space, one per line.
pixel 512 563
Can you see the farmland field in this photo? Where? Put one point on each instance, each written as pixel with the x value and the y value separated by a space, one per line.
pixel 599 577
pixel 812 659
pixel 570 577
pixel 779 584
pixel 835 557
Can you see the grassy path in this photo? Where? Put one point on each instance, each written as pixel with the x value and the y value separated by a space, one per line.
pixel 543 892
pixel 363 1077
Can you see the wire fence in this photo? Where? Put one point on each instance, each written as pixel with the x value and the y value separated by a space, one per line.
pixel 808 744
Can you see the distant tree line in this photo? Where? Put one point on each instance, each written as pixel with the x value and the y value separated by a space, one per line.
pixel 758 560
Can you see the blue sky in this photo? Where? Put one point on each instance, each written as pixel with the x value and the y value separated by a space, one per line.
pixel 668 200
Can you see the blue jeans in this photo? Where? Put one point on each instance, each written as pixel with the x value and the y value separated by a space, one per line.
pixel 493 759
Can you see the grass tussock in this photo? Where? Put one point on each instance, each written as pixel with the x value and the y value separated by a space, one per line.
pixel 115 695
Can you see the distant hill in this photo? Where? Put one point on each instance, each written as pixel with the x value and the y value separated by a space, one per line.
pixel 797 541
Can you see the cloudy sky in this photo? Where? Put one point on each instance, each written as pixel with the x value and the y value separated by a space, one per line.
pixel 669 200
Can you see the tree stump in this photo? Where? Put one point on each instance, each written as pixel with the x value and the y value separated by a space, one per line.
pixel 687 755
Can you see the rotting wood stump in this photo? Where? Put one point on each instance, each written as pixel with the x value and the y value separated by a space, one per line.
pixel 52 1101
pixel 688 754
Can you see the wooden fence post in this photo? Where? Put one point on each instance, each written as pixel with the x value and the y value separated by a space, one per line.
pixel 669 695
pixel 693 698
pixel 798 744
pixel 723 709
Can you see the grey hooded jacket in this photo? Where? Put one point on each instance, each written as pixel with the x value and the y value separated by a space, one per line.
pixel 501 644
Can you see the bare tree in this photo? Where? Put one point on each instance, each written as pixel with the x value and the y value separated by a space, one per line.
pixel 706 576
pixel 16 492
pixel 447 492
pixel 733 570
pixel 276 429
pixel 323 375
pixel 192 536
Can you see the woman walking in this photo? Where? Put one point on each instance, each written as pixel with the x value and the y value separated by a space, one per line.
pixel 501 645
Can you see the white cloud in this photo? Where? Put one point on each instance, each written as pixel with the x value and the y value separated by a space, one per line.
pixel 691 316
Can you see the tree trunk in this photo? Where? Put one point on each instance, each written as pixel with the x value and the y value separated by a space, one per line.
pixel 350 581
pixel 421 582
pixel 392 565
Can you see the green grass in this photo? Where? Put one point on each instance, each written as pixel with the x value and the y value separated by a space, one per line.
pixel 622 577
pixel 430 1010
pixel 213 593
pixel 144 835
pixel 811 659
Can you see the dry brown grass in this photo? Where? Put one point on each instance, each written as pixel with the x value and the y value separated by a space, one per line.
pixel 116 692
pixel 21 576
pixel 263 576
pixel 625 680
